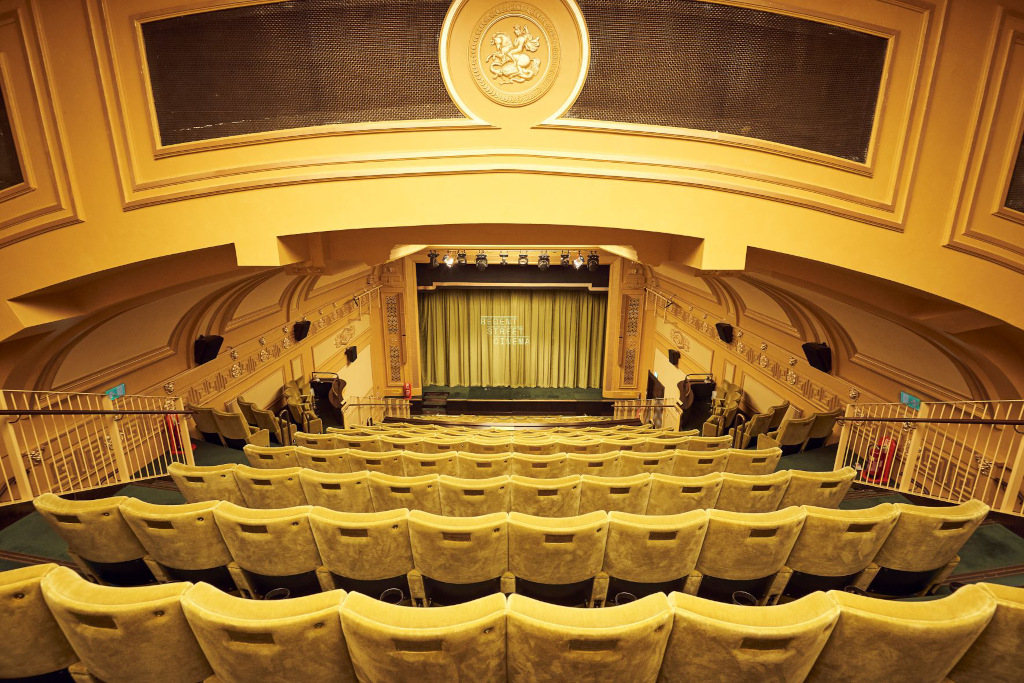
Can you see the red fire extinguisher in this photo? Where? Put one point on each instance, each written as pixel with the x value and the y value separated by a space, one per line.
pixel 407 390
pixel 174 435
pixel 880 457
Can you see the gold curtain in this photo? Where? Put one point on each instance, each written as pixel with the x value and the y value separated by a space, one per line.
pixel 512 338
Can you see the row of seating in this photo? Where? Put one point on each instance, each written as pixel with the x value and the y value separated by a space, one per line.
pixel 51 619
pixel 572 560
pixel 680 463
pixel 650 494
pixel 512 443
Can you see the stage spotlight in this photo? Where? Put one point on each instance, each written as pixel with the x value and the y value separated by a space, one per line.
pixel 433 259
pixel 462 258
pixel 524 259
pixel 578 261
pixel 481 261
pixel 449 260
pixel 565 259
pixel 592 261
pixel 504 258
pixel 543 261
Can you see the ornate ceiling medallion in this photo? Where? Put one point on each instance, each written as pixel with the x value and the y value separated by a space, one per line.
pixel 514 54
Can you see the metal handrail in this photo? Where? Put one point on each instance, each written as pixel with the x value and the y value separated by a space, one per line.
pixel 95 412
pixel 929 420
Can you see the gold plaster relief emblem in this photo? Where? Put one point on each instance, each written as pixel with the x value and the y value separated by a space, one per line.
pixel 514 54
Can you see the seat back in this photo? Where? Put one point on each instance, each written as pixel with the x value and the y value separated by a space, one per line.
pixel 270 489
pixel 197 483
pixel 759 423
pixel 762 461
pixel 741 546
pixel 673 495
pixel 178 536
pixel 33 642
pixel 713 641
pixel 126 634
pixel 204 419
pixel 703 444
pixel 474 497
pixel 926 538
pixel 599 464
pixel 270 457
pixel 390 442
pixel 579 446
pixel 654 548
pixel 541 446
pixel 824 424
pixel 459 549
pixel 901 642
pixel 690 464
pixel 93 529
pixel 645 463
pixel 625 494
pixel 794 432
pixel 334 461
pixel 821 489
pixel 363 546
pixel 409 493
pixel 540 466
pixel 385 463
pixel 480 466
pixel 266 419
pixel 778 414
pixel 442 444
pixel 546 497
pixel 406 644
pixel 556 550
pixel 553 643
pixel 486 446
pixel 321 442
pixel 232 426
pixel 344 491
pixel 841 542
pixel 246 408
pixel 269 542
pixel 416 464
pixel 752 493
pixel 370 444
pixel 995 656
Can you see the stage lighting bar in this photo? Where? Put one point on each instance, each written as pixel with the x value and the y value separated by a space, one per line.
pixel 481 261
pixel 578 261
pixel 592 261
pixel 449 260
pixel 524 259
pixel 565 259
pixel 462 258
pixel 504 258
pixel 543 261
pixel 433 259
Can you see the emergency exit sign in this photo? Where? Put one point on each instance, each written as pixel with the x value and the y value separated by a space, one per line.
pixel 116 392
pixel 910 401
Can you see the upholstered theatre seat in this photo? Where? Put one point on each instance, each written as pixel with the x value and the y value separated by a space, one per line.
pixel 672 495
pixel 270 641
pixel 598 464
pixel 410 493
pixel 384 463
pixel 482 466
pixel 363 443
pixel 417 464
pixel 270 489
pixel 688 464
pixel 995 657
pixel 319 442
pixel 762 461
pixel 752 493
pixel 648 554
pixel 716 643
pixel 33 644
pixel 214 482
pixel 397 644
pixel 625 494
pixel 540 466
pixel 342 492
pixel 99 540
pixel 335 461
pixel 901 642
pixel 270 457
pixel 821 489
pixel 552 644
pixel 702 444
pixel 125 635
pixel 646 463
pixel 473 497
pixel 546 497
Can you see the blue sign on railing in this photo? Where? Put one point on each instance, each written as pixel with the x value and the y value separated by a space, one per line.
pixel 910 401
pixel 116 392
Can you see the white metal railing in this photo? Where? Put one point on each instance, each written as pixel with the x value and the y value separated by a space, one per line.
pixel 658 412
pixel 64 442
pixel 947 451
pixel 360 411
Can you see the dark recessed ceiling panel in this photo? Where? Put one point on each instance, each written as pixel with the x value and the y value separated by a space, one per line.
pixel 10 167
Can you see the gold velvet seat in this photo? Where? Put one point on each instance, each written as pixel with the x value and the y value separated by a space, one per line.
pixel 689 464
pixel 546 497
pixel 410 493
pixel 488 446
pixel 33 643
pixel 540 446
pixel 550 643
pixel 714 643
pixel 673 495
pixel 270 457
pixel 473 497
pixel 790 436
pixel 99 539
pixel 821 489
pixel 624 443
pixel 646 463
pixel 579 446
pixel 540 466
pixel 921 552
pixel 559 559
pixel 648 554
pixel 460 558
pixel 442 443
pixel 671 441
pixel 747 552
pixel 370 444
pixel 835 548
pixel 270 489
pixel 821 428
pixel 416 464
pixel 746 433
pixel 995 656
pixel 270 641
pixel 398 443
pixel 369 553
pixel 344 492
pixel 598 464
pixel 320 442
pixel 236 432
pixel 763 461
pixel 212 482
pixel 125 635
pixel 396 644
pixel 182 542
pixel 752 493
pixel 483 466
pixel 385 463
pixel 704 444
pixel 901 642
pixel 335 461
pixel 625 494
pixel 270 549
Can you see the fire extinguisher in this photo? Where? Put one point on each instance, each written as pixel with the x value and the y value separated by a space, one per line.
pixel 407 390
pixel 174 436
pixel 880 457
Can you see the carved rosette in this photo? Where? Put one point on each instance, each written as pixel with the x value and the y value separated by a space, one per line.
pixel 514 54
pixel 791 377
pixel 236 370
pixel 763 360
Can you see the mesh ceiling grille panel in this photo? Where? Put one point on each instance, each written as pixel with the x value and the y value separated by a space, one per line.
pixel 1015 197
pixel 296 64
pixel 10 169
pixel 713 67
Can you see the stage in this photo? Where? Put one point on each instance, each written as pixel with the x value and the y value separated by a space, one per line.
pixel 518 401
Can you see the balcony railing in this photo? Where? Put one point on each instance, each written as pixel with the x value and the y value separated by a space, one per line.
pixel 363 410
pixel 659 412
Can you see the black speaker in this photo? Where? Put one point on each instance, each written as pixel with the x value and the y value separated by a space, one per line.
pixel 819 355
pixel 724 332
pixel 301 329
pixel 673 357
pixel 350 353
pixel 206 348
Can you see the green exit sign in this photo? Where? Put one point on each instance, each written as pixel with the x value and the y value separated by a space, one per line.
pixel 116 392
pixel 910 401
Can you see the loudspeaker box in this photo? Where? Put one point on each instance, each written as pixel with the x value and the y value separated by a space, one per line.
pixel 301 329
pixel 673 357
pixel 819 355
pixel 350 353
pixel 724 332
pixel 206 348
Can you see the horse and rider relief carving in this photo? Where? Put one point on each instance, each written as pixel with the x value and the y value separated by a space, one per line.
pixel 510 62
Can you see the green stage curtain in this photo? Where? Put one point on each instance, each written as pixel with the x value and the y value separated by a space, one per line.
pixel 512 338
